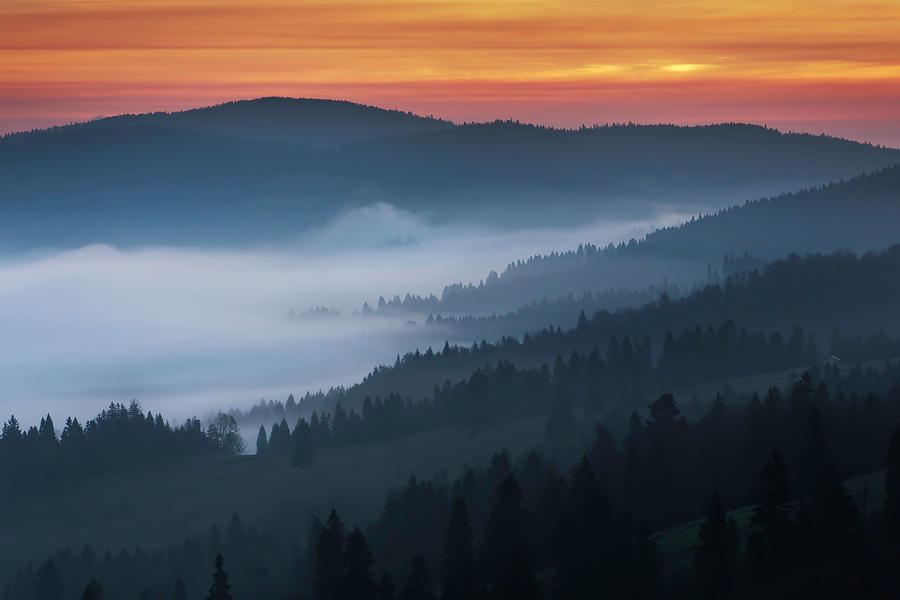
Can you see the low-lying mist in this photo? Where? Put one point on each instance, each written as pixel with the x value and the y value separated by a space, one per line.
pixel 187 331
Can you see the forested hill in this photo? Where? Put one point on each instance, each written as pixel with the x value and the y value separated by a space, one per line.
pixel 190 177
pixel 845 301
pixel 610 161
pixel 860 214
pixel 153 185
pixel 299 121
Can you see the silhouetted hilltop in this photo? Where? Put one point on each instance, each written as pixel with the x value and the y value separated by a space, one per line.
pixel 150 179
pixel 298 121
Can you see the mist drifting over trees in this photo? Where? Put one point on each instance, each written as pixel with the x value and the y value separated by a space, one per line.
pixel 311 349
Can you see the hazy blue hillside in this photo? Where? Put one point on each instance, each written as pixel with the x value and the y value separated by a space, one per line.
pixel 860 214
pixel 664 162
pixel 147 185
pixel 149 179
pixel 298 121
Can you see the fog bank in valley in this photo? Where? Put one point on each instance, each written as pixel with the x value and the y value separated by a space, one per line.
pixel 189 330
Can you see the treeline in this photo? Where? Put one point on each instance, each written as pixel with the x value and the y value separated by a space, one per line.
pixel 119 439
pixel 506 169
pixel 720 451
pixel 818 293
pixel 489 297
pixel 601 380
pixel 580 523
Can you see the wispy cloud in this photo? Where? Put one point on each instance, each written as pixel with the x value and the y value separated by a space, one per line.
pixel 62 60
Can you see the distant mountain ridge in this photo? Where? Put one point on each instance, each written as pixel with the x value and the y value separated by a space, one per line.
pixel 266 170
pixel 317 123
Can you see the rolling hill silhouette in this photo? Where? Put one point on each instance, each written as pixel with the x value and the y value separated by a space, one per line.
pixel 265 170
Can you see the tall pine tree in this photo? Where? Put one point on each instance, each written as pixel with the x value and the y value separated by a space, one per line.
pixel 359 583
pixel 328 572
pixel 220 589
pixel 459 561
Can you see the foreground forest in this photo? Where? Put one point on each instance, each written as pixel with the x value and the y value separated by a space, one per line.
pixel 549 523
pixel 523 468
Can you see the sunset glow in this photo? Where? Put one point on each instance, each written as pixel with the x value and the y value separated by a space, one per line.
pixel 822 66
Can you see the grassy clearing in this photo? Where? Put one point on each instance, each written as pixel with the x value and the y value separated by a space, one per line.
pixel 676 544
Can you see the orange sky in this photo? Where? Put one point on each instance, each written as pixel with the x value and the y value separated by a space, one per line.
pixel 812 65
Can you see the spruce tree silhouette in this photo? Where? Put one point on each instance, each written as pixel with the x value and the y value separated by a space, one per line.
pixel 664 411
pixel 328 572
pixel 892 486
pixel 459 560
pixel 262 442
pixel 92 591
pixel 47 582
pixel 591 511
pixel 301 444
pixel 219 590
pixel 359 583
pixel 770 543
pixel 716 558
pixel 505 540
pixel 418 584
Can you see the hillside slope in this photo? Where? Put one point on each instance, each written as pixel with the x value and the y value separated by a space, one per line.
pixel 299 121
pixel 235 173
pixel 860 214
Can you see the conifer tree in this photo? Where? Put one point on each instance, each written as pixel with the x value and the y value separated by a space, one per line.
pixel 12 431
pixel 505 532
pixel 47 582
pixel 459 561
pixel 328 573
pixel 301 444
pixel 359 583
pixel 92 591
pixel 770 542
pixel 262 442
pixel 715 559
pixel 664 411
pixel 220 589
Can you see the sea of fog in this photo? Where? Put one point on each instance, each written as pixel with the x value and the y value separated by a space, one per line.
pixel 187 331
